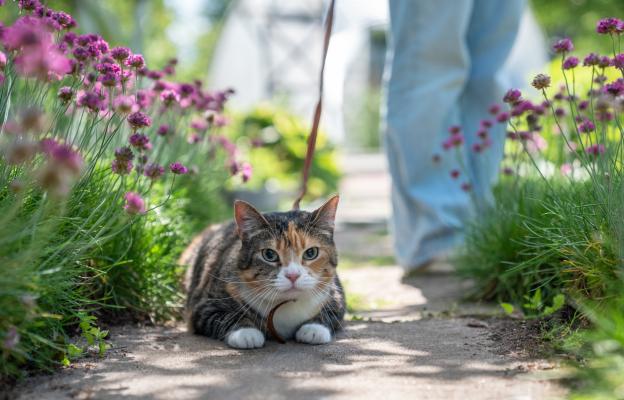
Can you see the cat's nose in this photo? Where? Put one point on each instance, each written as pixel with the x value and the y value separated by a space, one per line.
pixel 293 276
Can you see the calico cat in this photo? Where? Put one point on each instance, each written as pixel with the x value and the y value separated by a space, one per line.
pixel 240 271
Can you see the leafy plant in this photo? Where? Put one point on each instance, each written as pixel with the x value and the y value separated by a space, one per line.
pixel 275 142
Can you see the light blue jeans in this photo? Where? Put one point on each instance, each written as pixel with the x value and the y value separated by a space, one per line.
pixel 443 68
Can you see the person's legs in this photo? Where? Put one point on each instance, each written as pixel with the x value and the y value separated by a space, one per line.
pixel 491 34
pixel 428 66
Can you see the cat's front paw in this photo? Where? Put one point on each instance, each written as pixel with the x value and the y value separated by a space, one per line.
pixel 245 338
pixel 313 334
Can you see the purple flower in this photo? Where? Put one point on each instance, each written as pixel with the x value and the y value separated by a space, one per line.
pixel 610 25
pixel 3 60
pixel 595 149
pixel 486 123
pixel 455 173
pixel 124 154
pixel 587 126
pixel 65 156
pixel 169 97
pixel 134 203
pixel 120 53
pixel 454 129
pixel 139 120
pixel 122 167
pixel 199 125
pixel 124 104
pixel 140 141
pixel 591 59
pixel 177 168
pixel 615 88
pixel 65 94
pixel 494 109
pixel 563 46
pixel 91 100
pixel 507 171
pixel 456 140
pixel 604 62
pixel 246 171
pixel 502 117
pixel 135 61
pixel 570 62
pixel 163 130
pixel 466 187
pixel 153 171
pixel 512 96
pixel 28 5
pixel 618 61
pixel 541 81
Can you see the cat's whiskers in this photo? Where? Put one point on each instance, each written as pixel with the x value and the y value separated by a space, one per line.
pixel 248 304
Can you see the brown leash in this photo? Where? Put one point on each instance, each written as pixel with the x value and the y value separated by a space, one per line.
pixel 329 21
pixel 271 327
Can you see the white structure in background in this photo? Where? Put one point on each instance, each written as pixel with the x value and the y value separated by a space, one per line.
pixel 271 49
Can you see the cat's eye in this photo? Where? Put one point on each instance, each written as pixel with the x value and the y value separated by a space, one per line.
pixel 270 255
pixel 311 253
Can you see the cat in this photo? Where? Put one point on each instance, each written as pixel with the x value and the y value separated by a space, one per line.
pixel 241 270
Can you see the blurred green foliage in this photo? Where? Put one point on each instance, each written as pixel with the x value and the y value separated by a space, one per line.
pixel 279 141
pixel 577 19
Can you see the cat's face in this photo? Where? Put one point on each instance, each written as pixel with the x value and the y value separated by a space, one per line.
pixel 286 254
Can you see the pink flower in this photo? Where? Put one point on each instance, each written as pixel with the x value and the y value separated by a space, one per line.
pixel 466 187
pixel 124 104
pixel 455 174
pixel 199 125
pixel 169 97
pixel 65 94
pixel 135 61
pixel 246 171
pixel 120 53
pixel 456 140
pixel 566 169
pixel 177 168
pixel 134 203
pixel 595 149
pixel 502 117
pixel 91 100
pixel 494 109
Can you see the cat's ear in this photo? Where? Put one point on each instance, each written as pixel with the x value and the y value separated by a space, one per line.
pixel 248 219
pixel 325 216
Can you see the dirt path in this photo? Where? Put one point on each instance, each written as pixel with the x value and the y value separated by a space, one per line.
pixel 423 350
pixel 408 339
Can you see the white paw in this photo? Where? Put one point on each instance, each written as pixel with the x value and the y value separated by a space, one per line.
pixel 313 334
pixel 245 338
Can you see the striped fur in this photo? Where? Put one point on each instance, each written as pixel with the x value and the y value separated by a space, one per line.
pixel 231 285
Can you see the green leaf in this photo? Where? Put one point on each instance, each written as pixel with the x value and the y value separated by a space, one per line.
pixel 558 302
pixel 74 351
pixel 508 308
